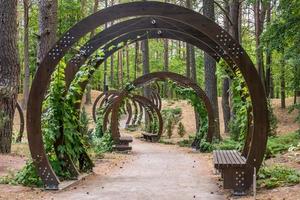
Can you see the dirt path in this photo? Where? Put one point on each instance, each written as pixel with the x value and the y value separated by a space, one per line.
pixel 156 172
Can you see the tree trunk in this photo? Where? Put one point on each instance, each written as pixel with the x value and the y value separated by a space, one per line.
pixel 47 27
pixel 210 71
pixel 226 81
pixel 9 71
pixel 112 70
pixel 166 65
pixel 282 83
pixel 127 64
pixel 26 84
pixel 188 61
pixel 146 70
pixel 88 97
pixel 268 58
pixel 259 15
pixel 136 59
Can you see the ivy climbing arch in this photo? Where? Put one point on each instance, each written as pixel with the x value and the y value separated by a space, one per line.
pixel 220 45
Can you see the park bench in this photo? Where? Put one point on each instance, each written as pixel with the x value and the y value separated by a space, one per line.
pixel 123 144
pixel 150 137
pixel 234 171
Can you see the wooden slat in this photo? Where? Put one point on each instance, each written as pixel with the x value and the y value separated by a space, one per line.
pixel 228 158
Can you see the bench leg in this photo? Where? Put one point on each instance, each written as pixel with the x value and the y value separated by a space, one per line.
pixel 238 179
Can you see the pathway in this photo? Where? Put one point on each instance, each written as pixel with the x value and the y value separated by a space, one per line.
pixel 158 172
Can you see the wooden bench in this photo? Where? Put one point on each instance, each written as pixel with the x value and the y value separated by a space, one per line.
pixel 123 144
pixel 150 137
pixel 234 171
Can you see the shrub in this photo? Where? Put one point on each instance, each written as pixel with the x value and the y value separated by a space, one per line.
pixel 282 143
pixel 27 176
pixel 275 176
pixel 103 144
pixel 187 142
pixel 169 128
pixel 181 130
pixel 228 144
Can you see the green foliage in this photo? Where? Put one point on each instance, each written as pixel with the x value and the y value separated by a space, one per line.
pixel 238 124
pixel 275 176
pixel 193 99
pixel 282 143
pixel 171 116
pixel 181 130
pixel 169 127
pixel 228 144
pixel 295 107
pixel 272 120
pixel 98 131
pixel 282 38
pixel 103 144
pixel 187 142
pixel 27 176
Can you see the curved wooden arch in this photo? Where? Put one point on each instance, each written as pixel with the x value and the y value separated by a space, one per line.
pixel 232 51
pixel 145 103
pixel 22 122
pixel 180 80
pixel 106 96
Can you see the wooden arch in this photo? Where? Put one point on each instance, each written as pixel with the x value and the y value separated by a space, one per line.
pixel 145 103
pixel 229 50
pixel 180 80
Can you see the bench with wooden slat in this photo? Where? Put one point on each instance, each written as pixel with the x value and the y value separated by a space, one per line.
pixel 234 171
pixel 150 137
pixel 228 158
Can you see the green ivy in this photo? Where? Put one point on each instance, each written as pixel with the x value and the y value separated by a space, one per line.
pixel 275 176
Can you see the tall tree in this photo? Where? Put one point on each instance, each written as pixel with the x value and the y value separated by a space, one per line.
pixel 88 97
pixel 127 63
pixel 166 65
pixel 210 71
pixel 146 70
pixel 188 48
pixel 26 83
pixel 136 59
pixel 260 9
pixel 9 71
pixel 269 85
pixel 226 81
pixel 47 27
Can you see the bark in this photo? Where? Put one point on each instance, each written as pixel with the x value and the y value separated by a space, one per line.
pixel 166 65
pixel 188 60
pixel 112 71
pixel 47 27
pixel 259 15
pixel 9 71
pixel 268 58
pixel 282 83
pixel 26 84
pixel 146 70
pixel 127 64
pixel 226 81
pixel 210 71
pixel 88 97
pixel 136 59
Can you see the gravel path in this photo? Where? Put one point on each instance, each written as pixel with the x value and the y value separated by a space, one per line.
pixel 158 172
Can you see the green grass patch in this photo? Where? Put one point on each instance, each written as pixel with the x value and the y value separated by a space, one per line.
pixel 276 176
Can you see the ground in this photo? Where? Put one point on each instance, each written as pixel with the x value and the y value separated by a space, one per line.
pixel 154 170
